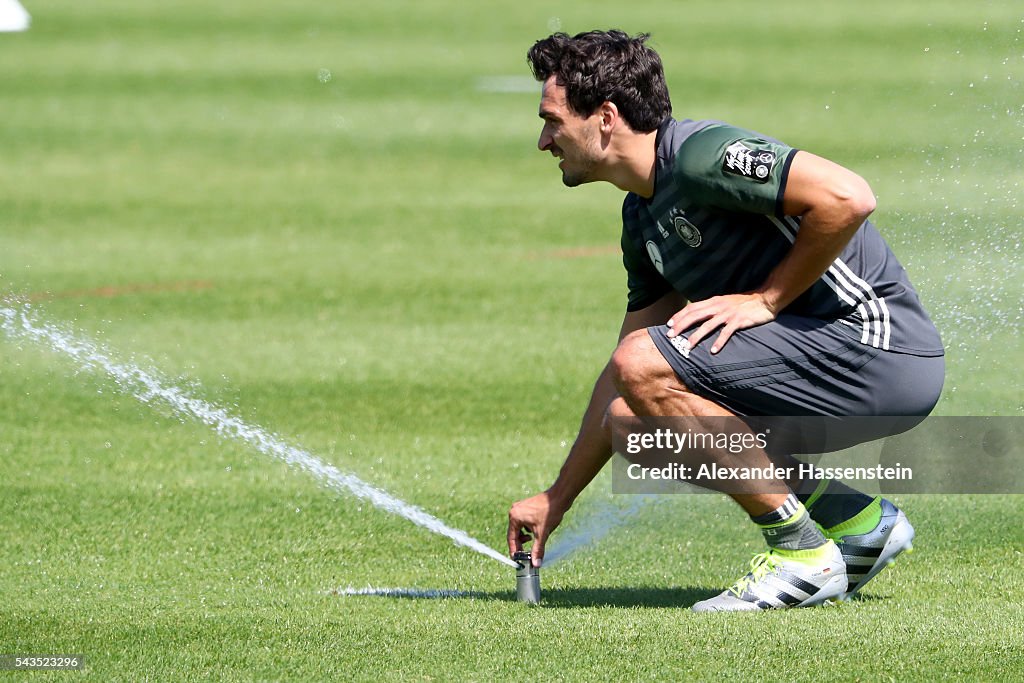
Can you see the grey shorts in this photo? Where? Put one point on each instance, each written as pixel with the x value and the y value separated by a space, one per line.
pixel 798 366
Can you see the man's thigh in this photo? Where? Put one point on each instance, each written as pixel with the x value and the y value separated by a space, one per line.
pixel 797 366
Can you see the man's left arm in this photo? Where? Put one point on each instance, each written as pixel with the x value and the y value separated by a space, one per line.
pixel 832 202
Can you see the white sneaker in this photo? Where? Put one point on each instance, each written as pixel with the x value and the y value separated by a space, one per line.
pixel 784 578
pixel 867 554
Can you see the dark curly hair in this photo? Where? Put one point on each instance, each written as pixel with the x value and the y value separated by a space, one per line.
pixel 606 66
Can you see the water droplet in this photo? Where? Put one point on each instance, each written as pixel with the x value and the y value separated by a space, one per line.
pixel 323 75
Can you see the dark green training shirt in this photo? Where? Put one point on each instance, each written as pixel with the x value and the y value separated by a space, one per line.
pixel 715 226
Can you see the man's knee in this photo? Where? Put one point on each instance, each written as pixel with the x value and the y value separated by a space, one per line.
pixel 638 366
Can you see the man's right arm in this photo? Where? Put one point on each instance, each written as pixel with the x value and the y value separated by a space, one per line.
pixel 541 514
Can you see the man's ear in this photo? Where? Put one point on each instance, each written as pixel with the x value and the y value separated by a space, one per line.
pixel 609 114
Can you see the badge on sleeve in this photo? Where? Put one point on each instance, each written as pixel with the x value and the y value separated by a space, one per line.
pixel 755 164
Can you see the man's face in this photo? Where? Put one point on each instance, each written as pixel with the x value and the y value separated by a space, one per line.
pixel 574 139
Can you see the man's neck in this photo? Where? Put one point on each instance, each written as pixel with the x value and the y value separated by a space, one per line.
pixel 632 168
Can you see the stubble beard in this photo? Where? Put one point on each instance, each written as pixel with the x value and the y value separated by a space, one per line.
pixel 584 161
pixel 577 178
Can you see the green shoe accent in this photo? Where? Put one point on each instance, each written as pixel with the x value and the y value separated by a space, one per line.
pixel 761 566
pixel 777 581
pixel 809 556
pixel 861 523
pixel 819 489
pixel 767 562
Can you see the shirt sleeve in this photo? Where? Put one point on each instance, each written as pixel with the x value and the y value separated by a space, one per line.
pixel 734 169
pixel 645 284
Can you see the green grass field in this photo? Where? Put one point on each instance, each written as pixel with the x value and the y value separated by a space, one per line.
pixel 326 217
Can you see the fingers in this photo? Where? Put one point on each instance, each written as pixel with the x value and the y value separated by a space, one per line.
pixel 724 336
pixel 522 528
pixel 704 330
pixel 515 537
pixel 537 552
pixel 730 313
pixel 706 311
pixel 686 318
pixel 532 519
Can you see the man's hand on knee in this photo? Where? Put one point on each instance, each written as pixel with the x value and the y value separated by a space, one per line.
pixel 731 312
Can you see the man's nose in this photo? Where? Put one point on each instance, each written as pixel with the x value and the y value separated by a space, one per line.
pixel 544 142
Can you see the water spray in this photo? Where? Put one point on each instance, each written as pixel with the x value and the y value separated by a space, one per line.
pixel 18 321
pixel 412 593
pixel 593 525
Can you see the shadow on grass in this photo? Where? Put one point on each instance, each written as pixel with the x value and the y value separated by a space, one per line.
pixel 606 596
pixel 623 596
pixel 627 597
